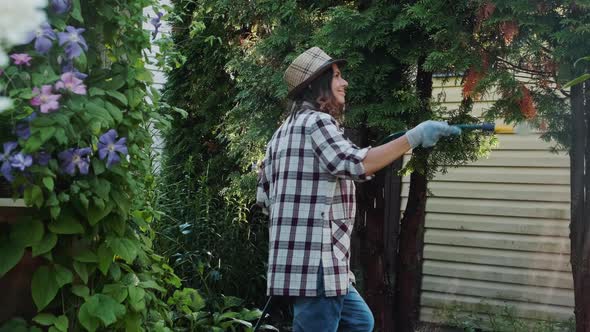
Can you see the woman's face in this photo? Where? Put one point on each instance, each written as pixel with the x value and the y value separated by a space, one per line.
pixel 339 85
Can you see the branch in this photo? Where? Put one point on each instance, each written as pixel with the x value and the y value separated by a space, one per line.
pixel 525 70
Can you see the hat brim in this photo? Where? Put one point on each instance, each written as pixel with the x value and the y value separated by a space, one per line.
pixel 315 75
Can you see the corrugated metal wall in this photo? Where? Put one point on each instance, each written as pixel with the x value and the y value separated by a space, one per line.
pixel 497 230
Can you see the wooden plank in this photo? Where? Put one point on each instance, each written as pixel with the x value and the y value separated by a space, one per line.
pixel 519 192
pixel 498 290
pixel 523 310
pixel 511 275
pixel 498 224
pixel 524 175
pixel 549 244
pixel 436 315
pixel 548 210
pixel 498 257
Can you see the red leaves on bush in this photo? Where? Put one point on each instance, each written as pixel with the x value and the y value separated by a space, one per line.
pixel 509 30
pixel 526 104
pixel 485 11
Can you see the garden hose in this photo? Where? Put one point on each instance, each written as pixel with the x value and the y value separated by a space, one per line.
pixel 485 127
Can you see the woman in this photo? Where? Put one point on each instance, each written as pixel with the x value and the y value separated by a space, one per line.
pixel 306 187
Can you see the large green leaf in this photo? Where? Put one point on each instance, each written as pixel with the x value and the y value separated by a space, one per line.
pixel 44 319
pixel 136 298
pixel 43 287
pixel 27 232
pixel 67 223
pixel 45 245
pixel 11 254
pixel 118 95
pixel 105 308
pixel 62 275
pixel 96 214
pixel 61 323
pixel 87 320
pixel 82 271
pixel 577 80
pixel 124 248
pixel 105 258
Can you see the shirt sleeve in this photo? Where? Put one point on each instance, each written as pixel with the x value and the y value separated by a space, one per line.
pixel 262 190
pixel 336 154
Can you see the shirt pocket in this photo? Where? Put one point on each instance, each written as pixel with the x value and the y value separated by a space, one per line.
pixel 341 233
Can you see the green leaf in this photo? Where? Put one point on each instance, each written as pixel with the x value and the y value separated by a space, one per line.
pixel 81 291
pixel 77 11
pixel 45 245
pixel 98 166
pixel 114 111
pixel 62 275
pixel 33 144
pixel 48 182
pixel 105 258
pixel 67 223
pixel 34 195
pixel 136 298
pixel 133 322
pixel 124 248
pixel 43 287
pixel 87 320
pixel 27 232
pixel 577 80
pixel 11 254
pixel 118 95
pixel 96 214
pixel 44 319
pixel 61 323
pixel 82 271
pixel 96 92
pixel 54 211
pixel 116 291
pixel 47 133
pixel 105 308
pixel 53 329
pixel 86 255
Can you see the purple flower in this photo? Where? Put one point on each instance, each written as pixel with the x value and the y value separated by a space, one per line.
pixel 72 41
pixel 107 147
pixel 5 157
pixel 68 67
pixel 156 22
pixel 21 59
pixel 45 99
pixel 23 130
pixel 21 161
pixel 43 158
pixel 44 37
pixel 70 82
pixel 72 158
pixel 60 6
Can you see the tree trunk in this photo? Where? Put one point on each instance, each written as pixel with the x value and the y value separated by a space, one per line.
pixel 411 238
pixel 580 204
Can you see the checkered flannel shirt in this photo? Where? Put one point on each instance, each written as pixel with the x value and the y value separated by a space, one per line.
pixel 305 185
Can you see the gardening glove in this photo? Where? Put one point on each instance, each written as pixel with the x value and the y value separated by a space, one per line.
pixel 427 133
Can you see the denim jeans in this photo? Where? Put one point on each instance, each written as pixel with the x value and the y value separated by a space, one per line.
pixel 346 313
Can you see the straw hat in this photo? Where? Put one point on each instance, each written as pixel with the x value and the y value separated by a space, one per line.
pixel 307 67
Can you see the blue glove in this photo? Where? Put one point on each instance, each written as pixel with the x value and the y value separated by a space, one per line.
pixel 429 132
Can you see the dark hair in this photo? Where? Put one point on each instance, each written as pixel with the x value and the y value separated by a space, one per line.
pixel 319 93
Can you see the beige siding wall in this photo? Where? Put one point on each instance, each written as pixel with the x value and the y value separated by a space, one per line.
pixel 497 230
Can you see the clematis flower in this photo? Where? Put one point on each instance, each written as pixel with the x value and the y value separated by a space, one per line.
pixel 70 82
pixel 42 158
pixel 21 59
pixel 44 37
pixel 156 22
pixel 61 6
pixel 75 158
pixel 45 99
pixel 23 130
pixel 108 147
pixel 21 161
pixel 67 66
pixel 5 157
pixel 72 41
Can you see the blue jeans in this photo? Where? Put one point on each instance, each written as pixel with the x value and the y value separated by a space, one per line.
pixel 346 313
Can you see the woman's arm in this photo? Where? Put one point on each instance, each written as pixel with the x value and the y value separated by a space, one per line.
pixel 383 155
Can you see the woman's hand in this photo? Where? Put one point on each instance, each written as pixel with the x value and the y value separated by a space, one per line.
pixel 429 132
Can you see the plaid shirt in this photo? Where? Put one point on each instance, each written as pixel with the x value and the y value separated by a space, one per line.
pixel 305 185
